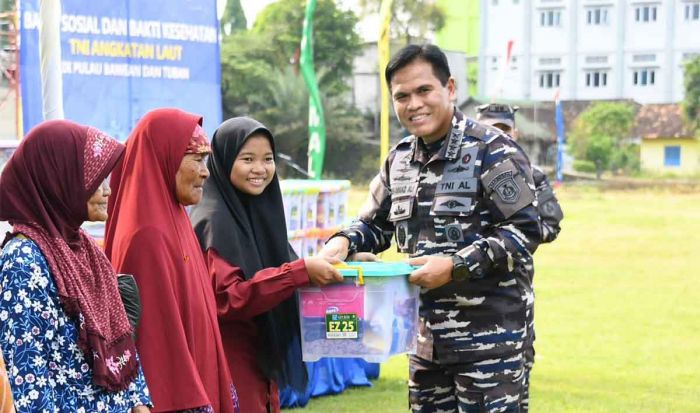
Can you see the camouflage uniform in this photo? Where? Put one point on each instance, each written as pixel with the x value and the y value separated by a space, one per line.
pixel 550 216
pixel 547 206
pixel 470 194
pixel 502 116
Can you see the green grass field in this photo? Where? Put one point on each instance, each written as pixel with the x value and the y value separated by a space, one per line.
pixel 617 310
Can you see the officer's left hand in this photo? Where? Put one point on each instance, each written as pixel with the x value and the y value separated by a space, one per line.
pixel 435 271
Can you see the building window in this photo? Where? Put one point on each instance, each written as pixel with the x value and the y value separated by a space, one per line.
pixel 549 80
pixel 550 18
pixel 597 16
pixel 645 13
pixel 672 156
pixel 692 11
pixel 596 78
pixel 644 77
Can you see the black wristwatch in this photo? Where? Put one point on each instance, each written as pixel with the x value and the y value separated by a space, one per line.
pixel 460 272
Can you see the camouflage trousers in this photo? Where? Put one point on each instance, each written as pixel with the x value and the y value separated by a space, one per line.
pixel 529 362
pixel 488 386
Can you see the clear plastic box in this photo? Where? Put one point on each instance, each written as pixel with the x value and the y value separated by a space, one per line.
pixel 372 317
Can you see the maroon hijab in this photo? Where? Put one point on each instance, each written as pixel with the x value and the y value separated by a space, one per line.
pixel 44 191
pixel 149 235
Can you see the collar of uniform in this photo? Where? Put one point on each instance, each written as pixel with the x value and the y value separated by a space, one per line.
pixel 424 153
pixel 451 146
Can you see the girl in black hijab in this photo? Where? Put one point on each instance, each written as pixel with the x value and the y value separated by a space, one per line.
pixel 240 223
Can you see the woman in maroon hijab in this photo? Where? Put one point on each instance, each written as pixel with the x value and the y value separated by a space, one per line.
pixel 149 235
pixel 63 329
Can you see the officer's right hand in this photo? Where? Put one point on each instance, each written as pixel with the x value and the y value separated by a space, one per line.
pixel 435 271
pixel 336 247
pixel 321 270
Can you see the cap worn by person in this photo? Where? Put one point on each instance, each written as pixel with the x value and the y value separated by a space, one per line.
pixel 495 114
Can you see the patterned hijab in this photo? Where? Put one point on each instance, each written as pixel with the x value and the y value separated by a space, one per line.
pixel 44 191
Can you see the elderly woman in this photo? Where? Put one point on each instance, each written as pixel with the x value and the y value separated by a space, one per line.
pixel 149 235
pixel 63 329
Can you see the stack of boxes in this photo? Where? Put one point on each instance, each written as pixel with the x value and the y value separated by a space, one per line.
pixel 315 210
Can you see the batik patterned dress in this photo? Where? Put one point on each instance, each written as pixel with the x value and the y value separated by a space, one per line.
pixel 47 370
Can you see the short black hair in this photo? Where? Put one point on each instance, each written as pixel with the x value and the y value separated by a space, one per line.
pixel 428 52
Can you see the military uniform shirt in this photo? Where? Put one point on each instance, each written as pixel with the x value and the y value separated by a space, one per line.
pixel 473 197
pixel 548 206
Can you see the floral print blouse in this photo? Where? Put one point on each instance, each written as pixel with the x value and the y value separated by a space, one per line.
pixel 46 369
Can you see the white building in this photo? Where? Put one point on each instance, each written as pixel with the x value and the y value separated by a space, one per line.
pixel 588 49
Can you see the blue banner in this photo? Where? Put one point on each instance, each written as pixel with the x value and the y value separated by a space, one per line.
pixel 121 59
pixel 559 121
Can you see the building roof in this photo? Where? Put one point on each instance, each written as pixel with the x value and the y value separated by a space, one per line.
pixel 660 121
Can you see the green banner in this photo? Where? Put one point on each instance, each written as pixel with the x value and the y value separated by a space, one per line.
pixel 317 125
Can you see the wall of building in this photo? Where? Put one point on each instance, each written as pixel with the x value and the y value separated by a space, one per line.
pixel 462 33
pixel 652 155
pixel 588 49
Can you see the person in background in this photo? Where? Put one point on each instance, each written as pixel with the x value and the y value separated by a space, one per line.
pixel 458 197
pixel 502 116
pixel 64 332
pixel 149 236
pixel 241 228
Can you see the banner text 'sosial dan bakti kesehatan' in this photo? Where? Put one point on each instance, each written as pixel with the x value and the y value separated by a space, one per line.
pixel 121 59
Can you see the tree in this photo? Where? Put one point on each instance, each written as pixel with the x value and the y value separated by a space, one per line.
pixel 335 41
pixel 245 71
pixel 691 103
pixel 599 136
pixel 411 20
pixel 285 108
pixel 259 78
pixel 248 57
pixel 233 19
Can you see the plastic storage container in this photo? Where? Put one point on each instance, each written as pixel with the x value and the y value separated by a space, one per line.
pixel 373 314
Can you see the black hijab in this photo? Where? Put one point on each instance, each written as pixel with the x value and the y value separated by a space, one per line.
pixel 250 232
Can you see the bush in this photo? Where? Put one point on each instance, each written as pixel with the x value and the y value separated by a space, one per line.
pixel 626 160
pixel 582 165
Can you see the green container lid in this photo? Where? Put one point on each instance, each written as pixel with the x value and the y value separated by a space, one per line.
pixel 376 269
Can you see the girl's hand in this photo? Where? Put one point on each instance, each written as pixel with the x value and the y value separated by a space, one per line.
pixel 321 270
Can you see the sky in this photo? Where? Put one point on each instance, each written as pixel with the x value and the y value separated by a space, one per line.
pixel 252 8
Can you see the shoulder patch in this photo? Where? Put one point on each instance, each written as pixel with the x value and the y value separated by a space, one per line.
pixel 507 188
